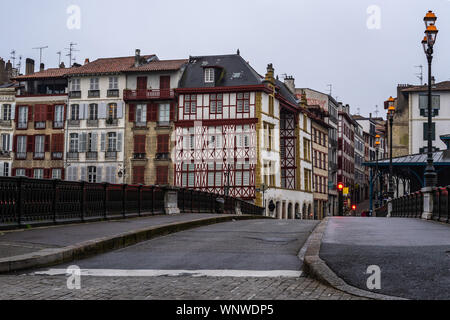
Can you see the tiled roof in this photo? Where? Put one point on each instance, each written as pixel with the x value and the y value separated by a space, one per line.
pixel 107 65
pixel 441 86
pixel 159 65
pixel 46 74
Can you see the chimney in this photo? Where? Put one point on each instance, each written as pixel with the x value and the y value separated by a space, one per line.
pixel 290 83
pixel 137 59
pixel 370 115
pixel 270 74
pixel 62 65
pixel 41 67
pixel 433 81
pixel 86 61
pixel 29 66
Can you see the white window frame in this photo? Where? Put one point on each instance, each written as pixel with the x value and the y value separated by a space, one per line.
pixel 209 75
pixel 113 83
pixel 20 172
pixel 75 112
pixel 75 85
pixel 38 173
pixel 141 113
pixel 56 174
pixel 21 144
pixel 6 112
pixel 112 141
pixel 92 174
pixel 164 112
pixel 94 84
pixel 74 142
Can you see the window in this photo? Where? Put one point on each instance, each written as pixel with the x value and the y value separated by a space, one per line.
pixel 39 147
pixel 164 113
pixel 423 104
pixel 75 112
pixel 73 143
pixel 112 111
pixel 190 104
pixel 56 174
pixel 94 84
pixel 57 146
pixel 306 149
pixel 5 169
pixel 23 117
pixel 93 111
pixel 21 152
pixel 92 174
pixel 209 75
pixel 271 105
pixel 5 142
pixel 305 123
pixel 141 115
pixel 6 114
pixel 38 174
pixel 139 175
pixel 59 117
pixel 113 83
pixel 307 178
pixel 216 103
pixel 243 102
pixel 163 143
pixel 188 175
pixel 425 131
pixel 112 142
pixel 139 145
pixel 162 175
pixel 20 173
pixel 75 85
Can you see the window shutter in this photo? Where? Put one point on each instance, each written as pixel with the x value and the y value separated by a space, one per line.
pixel 83 142
pixel 152 112
pixel 99 174
pixel 83 176
pixel 13 173
pixel 172 111
pixel 50 113
pixel 103 142
pixel 29 173
pixel 15 144
pixel 30 143
pixel 13 111
pixel 119 142
pixel 17 112
pixel 65 111
pixel 47 173
pixel 132 113
pixel 120 110
pixel 94 142
pixel 47 144
pixel 102 111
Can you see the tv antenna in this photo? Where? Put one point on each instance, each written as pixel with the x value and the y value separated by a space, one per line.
pixel 330 87
pixel 71 51
pixel 420 74
pixel 13 58
pixel 40 52
pixel 376 111
pixel 59 58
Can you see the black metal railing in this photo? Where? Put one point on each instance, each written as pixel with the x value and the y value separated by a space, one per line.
pixel 25 201
pixel 408 206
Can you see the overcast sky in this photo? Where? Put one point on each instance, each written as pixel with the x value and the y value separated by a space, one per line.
pixel 319 42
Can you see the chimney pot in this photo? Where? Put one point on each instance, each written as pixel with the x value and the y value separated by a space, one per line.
pixel 137 59
pixel 42 67
pixel 29 66
pixel 86 61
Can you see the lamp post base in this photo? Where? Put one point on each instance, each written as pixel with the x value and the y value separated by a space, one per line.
pixel 428 200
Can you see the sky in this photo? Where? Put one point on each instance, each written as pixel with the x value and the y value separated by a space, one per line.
pixel 363 48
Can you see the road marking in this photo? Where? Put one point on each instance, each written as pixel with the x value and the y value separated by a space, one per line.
pixel 175 273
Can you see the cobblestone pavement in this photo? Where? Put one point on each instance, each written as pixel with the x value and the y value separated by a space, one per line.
pixel 32 287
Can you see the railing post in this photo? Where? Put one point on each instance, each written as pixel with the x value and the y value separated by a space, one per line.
pixel 153 200
pixel 428 203
pixel 83 200
pixel 20 201
pixel 124 200
pixel 55 190
pixel 105 200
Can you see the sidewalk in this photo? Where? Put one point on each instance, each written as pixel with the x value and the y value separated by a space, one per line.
pixel 46 246
pixel 413 255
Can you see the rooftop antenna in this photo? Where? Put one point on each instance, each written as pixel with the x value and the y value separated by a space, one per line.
pixel 40 52
pixel 13 58
pixel 19 65
pixel 71 51
pixel 284 75
pixel 376 110
pixel 59 57
pixel 420 74
pixel 330 87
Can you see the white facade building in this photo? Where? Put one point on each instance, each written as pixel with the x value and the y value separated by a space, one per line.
pixel 7 124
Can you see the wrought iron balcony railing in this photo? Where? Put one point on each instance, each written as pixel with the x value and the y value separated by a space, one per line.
pixel 148 94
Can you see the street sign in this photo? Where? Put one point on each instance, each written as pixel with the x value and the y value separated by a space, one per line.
pixel 345 191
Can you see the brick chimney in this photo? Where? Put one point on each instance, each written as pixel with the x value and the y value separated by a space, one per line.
pixel 86 61
pixel 41 67
pixel 29 66
pixel 290 83
pixel 137 59
pixel 270 74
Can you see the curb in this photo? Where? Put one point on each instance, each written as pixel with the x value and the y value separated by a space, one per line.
pixel 54 256
pixel 316 268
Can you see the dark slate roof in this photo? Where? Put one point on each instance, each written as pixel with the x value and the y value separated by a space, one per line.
pixel 441 86
pixel 237 72
pixel 441 157
pixel 286 93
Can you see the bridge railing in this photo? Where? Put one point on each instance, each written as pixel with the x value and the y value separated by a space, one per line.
pixel 25 201
pixel 412 205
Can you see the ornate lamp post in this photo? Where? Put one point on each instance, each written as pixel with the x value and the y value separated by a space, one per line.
pixel 428 43
pixel 391 111
pixel 377 179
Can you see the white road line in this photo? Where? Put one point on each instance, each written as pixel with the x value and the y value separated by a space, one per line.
pixel 175 273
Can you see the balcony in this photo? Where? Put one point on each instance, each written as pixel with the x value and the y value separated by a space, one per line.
pixel 57 155
pixel 22 125
pixel 112 93
pixel 94 94
pixel 5 154
pixel 91 155
pixel 6 123
pixel 58 124
pixel 111 155
pixel 162 156
pixel 72 155
pixel 151 94
pixel 92 123
pixel 21 155
pixel 75 94
pixel 39 156
pixel 110 122
pixel 39 125
pixel 140 156
pixel 74 123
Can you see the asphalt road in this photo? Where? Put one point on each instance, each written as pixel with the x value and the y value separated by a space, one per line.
pixel 243 245
pixel 413 255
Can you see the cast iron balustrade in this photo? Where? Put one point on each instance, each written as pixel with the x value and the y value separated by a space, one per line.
pixel 58 124
pixel 94 94
pixel 149 94
pixel 74 123
pixel 112 93
pixel 111 155
pixel 110 122
pixel 21 155
pixel 73 155
pixel 22 125
pixel 57 155
pixel 6 123
pixel 91 155
pixel 139 156
pixel 39 156
pixel 75 94
pixel 92 123
pixel 25 201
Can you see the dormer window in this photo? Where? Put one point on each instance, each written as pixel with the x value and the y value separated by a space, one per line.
pixel 209 75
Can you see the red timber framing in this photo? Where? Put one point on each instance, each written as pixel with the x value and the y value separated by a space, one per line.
pixel 288 149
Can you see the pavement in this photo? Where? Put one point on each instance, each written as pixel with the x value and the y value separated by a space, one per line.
pixel 413 255
pixel 245 260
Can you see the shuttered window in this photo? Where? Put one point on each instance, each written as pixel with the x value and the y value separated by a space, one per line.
pixel 139 144
pixel 162 175
pixel 138 175
pixel 163 143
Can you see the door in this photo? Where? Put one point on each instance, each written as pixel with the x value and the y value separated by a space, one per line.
pixel 142 87
pixel 164 86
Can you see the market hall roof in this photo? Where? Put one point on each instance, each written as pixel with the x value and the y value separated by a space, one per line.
pixel 440 158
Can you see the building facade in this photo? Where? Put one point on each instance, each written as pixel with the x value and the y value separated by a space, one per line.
pixel 7 126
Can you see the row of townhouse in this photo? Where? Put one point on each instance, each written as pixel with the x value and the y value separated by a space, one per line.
pixel 210 123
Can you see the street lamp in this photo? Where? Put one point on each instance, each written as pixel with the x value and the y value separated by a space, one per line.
pixel 378 184
pixel 391 111
pixel 428 43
